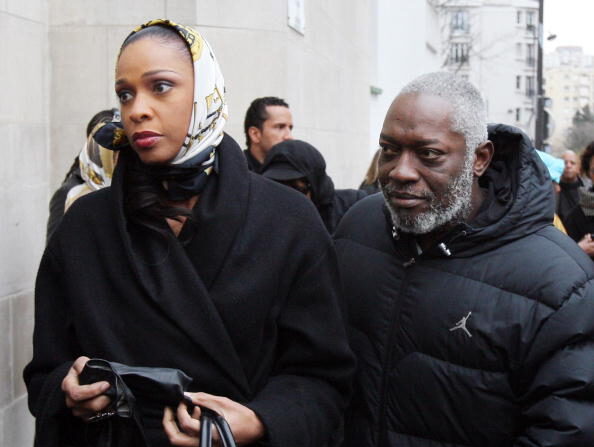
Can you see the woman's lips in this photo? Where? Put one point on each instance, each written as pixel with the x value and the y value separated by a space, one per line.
pixel 146 139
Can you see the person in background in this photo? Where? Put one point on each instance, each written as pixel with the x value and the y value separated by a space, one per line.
pixel 96 168
pixel 569 184
pixel 74 177
pixel 472 318
pixel 555 167
pixel 369 183
pixel 188 261
pixel 301 166
pixel 268 121
pixel 579 222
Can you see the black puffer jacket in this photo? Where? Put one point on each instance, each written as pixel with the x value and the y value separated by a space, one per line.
pixel 488 341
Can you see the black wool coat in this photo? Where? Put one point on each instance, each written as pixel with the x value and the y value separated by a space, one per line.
pixel 248 308
pixel 578 224
pixel 485 342
pixel 332 204
pixel 568 198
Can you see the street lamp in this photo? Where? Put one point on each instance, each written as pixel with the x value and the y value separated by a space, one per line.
pixel 539 125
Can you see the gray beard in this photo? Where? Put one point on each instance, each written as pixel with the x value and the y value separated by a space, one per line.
pixel 453 207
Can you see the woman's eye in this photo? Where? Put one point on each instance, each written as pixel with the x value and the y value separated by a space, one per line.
pixel 162 87
pixel 124 96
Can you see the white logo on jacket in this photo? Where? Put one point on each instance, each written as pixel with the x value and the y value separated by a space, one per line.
pixel 462 325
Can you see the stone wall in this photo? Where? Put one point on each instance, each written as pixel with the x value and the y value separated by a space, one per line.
pixel 24 76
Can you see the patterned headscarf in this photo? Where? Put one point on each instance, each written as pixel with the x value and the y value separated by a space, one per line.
pixel 187 173
pixel 96 165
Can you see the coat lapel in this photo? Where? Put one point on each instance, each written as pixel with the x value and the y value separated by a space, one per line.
pixel 220 213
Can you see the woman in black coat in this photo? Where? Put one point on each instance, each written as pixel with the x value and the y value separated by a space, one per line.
pixel 189 261
pixel 579 223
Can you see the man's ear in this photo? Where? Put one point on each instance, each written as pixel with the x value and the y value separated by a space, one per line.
pixel 484 154
pixel 255 134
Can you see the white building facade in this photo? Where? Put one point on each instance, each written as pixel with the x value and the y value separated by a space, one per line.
pixel 569 83
pixel 494 44
pixel 405 43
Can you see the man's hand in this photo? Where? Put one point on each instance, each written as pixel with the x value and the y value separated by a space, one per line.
pixel 183 429
pixel 84 400
pixel 587 244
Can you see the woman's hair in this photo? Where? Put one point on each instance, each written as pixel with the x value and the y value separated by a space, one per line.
pixel 372 171
pixel 586 157
pixel 145 197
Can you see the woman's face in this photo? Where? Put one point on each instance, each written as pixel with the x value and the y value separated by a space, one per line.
pixel 155 86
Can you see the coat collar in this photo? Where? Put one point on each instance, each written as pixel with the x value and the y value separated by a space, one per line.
pixel 178 278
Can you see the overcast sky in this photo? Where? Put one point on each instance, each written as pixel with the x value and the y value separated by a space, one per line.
pixel 571 21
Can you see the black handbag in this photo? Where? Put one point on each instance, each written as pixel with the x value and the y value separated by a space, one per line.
pixel 208 418
pixel 121 421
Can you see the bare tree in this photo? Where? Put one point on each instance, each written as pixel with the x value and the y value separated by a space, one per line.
pixel 581 133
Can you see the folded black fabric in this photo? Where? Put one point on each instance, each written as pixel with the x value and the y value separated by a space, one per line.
pixel 120 424
pixel 163 386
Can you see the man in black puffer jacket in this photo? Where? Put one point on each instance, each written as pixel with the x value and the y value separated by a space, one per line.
pixel 472 316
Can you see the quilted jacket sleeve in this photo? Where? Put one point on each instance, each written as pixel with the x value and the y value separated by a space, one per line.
pixel 559 400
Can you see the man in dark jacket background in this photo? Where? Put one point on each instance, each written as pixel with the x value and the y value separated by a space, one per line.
pixel 301 166
pixel 471 316
pixel 569 184
pixel 268 121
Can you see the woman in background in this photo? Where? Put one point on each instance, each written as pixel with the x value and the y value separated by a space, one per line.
pixel 579 223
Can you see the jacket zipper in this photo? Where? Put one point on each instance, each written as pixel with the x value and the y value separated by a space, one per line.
pixel 382 425
pixel 397 312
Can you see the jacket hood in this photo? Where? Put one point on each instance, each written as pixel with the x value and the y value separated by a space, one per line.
pixel 519 197
pixel 294 159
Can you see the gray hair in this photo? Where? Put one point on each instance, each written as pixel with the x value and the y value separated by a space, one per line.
pixel 469 117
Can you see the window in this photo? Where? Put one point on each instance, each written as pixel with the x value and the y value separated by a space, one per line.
pixel 460 20
pixel 518 82
pixel 519 17
pixel 518 115
pixel 518 50
pixel 529 18
pixel 459 53
pixel 296 15
pixel 530 59
pixel 530 90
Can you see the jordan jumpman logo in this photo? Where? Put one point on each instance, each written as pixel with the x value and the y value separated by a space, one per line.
pixel 462 325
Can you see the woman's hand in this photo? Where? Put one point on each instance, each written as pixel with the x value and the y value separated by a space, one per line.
pixel 84 400
pixel 587 244
pixel 183 429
